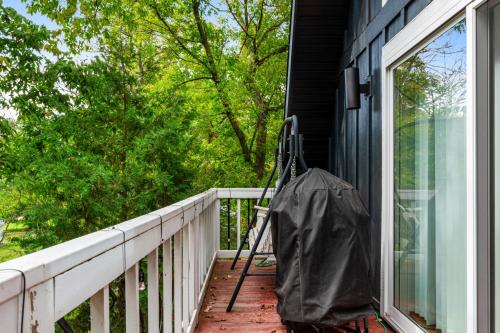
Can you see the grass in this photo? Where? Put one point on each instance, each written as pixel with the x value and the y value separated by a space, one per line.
pixel 10 249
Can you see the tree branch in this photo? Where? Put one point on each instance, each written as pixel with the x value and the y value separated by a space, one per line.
pixel 177 39
pixel 275 52
pixel 235 124
pixel 193 80
pixel 244 27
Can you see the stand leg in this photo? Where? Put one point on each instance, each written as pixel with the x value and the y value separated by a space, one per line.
pixel 248 263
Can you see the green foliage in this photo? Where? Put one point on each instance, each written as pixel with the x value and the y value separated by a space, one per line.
pixel 175 97
pixel 91 146
pixel 229 55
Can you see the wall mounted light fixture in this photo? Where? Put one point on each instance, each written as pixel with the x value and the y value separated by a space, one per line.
pixel 353 89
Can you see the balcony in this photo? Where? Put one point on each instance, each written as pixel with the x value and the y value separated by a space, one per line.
pixel 196 282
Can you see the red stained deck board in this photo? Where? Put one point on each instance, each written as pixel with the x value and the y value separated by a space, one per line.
pixel 255 307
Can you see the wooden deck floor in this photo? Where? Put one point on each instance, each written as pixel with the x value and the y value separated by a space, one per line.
pixel 255 308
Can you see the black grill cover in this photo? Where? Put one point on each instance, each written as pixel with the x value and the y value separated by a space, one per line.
pixel 320 230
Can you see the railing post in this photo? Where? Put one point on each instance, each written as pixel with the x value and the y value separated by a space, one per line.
pixel 10 314
pixel 132 321
pixel 99 311
pixel 167 287
pixel 39 308
pixel 153 293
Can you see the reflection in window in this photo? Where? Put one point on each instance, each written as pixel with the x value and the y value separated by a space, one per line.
pixel 429 181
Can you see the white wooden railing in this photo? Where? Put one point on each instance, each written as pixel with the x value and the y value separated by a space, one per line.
pixel 39 289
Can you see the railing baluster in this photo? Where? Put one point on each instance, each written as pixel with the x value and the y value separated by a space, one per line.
pixel 132 321
pixel 99 311
pixel 202 248
pixel 167 287
pixel 212 235
pixel 216 225
pixel 199 254
pixel 208 230
pixel 238 226
pixel 206 241
pixel 178 282
pixel 191 265
pixel 229 224
pixel 185 277
pixel 153 293
pixel 197 259
pixel 249 209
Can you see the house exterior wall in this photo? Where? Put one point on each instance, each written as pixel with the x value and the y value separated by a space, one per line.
pixel 356 147
pixel 316 50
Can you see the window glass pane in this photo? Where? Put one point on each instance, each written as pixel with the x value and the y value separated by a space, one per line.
pixel 496 95
pixel 429 184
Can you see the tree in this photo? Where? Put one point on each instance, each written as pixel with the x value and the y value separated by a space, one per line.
pixel 233 50
pixel 90 146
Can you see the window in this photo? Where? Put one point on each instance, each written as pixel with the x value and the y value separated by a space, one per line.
pixel 429 249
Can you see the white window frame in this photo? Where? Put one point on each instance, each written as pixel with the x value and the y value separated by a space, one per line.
pixel 434 19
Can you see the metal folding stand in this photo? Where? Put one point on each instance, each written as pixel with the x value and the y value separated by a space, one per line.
pixel 295 153
pixel 277 165
pixel 251 223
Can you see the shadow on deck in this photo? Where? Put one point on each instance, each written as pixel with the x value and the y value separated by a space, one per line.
pixel 255 308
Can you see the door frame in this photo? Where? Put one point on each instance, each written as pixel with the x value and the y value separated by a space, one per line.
pixel 481 13
pixel 435 18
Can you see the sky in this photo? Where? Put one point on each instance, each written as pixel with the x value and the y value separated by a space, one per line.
pixel 37 18
pixel 40 19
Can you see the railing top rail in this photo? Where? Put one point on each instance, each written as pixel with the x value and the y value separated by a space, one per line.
pixel 243 193
pixel 48 263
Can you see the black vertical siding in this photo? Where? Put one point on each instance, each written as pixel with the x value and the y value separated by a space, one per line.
pixel 340 135
pixel 358 145
pixel 330 36
pixel 375 6
pixel 394 27
pixel 364 132
pixel 375 202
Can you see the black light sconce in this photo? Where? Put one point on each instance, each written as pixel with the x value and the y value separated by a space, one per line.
pixel 353 89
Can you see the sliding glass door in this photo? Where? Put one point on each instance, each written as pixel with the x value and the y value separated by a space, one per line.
pixel 429 227
pixel 441 170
